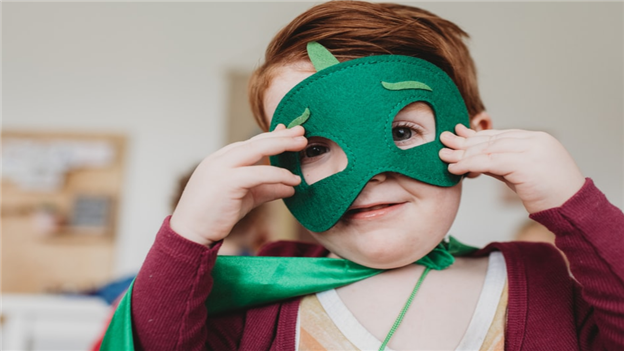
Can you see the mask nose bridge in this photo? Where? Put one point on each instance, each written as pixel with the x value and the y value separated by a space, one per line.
pixel 374 151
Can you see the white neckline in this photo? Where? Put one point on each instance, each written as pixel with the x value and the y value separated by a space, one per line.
pixel 476 332
pixel 485 311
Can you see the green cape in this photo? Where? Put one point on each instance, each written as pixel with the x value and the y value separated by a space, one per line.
pixel 242 282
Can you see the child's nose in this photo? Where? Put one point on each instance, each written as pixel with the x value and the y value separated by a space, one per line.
pixel 379 177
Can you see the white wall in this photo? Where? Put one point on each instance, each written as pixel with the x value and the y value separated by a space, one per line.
pixel 156 73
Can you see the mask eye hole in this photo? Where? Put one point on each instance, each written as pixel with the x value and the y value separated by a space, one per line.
pixel 313 152
pixel 414 125
pixel 320 159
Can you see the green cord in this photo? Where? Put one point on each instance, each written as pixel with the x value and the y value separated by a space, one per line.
pixel 399 319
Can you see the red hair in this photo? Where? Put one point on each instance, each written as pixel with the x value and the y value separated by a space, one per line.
pixel 354 29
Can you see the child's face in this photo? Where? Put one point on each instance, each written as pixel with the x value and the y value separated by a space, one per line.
pixel 395 220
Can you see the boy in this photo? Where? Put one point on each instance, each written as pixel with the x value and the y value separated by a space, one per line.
pixel 392 214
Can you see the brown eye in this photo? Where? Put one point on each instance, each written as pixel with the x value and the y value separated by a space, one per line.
pixel 315 150
pixel 401 133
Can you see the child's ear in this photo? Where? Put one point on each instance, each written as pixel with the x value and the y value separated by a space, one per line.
pixel 481 121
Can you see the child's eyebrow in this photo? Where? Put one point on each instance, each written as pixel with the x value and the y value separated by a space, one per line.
pixel 408 84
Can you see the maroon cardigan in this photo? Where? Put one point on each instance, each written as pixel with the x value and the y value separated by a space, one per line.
pixel 547 309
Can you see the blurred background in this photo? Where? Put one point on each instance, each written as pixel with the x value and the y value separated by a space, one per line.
pixel 108 106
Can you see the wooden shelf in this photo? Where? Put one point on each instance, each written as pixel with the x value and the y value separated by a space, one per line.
pixel 37 253
pixel 68 236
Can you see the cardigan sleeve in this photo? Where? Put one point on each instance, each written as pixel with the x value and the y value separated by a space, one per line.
pixel 168 310
pixel 590 232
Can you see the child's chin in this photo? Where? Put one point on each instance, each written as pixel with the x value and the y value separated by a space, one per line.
pixel 387 261
pixel 389 254
pixel 385 265
pixel 379 248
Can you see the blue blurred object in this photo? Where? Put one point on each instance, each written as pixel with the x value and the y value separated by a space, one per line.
pixel 111 291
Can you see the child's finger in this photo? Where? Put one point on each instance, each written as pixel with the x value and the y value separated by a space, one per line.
pixel 280 130
pixel 252 176
pixel 458 142
pixel 251 151
pixel 464 131
pixel 451 156
pixel 497 164
pixel 269 192
pixel 505 145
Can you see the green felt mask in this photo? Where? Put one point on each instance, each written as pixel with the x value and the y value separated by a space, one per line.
pixel 353 103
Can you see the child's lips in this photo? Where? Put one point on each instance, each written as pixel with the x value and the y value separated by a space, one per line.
pixel 374 211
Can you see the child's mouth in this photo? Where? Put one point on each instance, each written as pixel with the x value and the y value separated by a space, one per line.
pixel 372 211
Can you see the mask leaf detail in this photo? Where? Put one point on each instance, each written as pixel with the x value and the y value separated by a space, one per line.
pixel 406 85
pixel 300 120
pixel 321 57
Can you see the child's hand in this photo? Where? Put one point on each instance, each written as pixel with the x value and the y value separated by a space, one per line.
pixel 533 164
pixel 228 184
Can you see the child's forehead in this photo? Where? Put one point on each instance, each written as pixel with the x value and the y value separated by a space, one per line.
pixel 284 79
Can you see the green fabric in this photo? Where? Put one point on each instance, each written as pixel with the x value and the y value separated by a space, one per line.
pixel 119 333
pixel 405 85
pixel 244 282
pixel 271 279
pixel 399 319
pixel 349 105
pixel 439 258
pixel 321 57
pixel 300 120
pixel 456 248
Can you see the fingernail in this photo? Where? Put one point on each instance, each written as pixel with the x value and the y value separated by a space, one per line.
pixel 300 139
pixel 447 135
pixel 445 151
